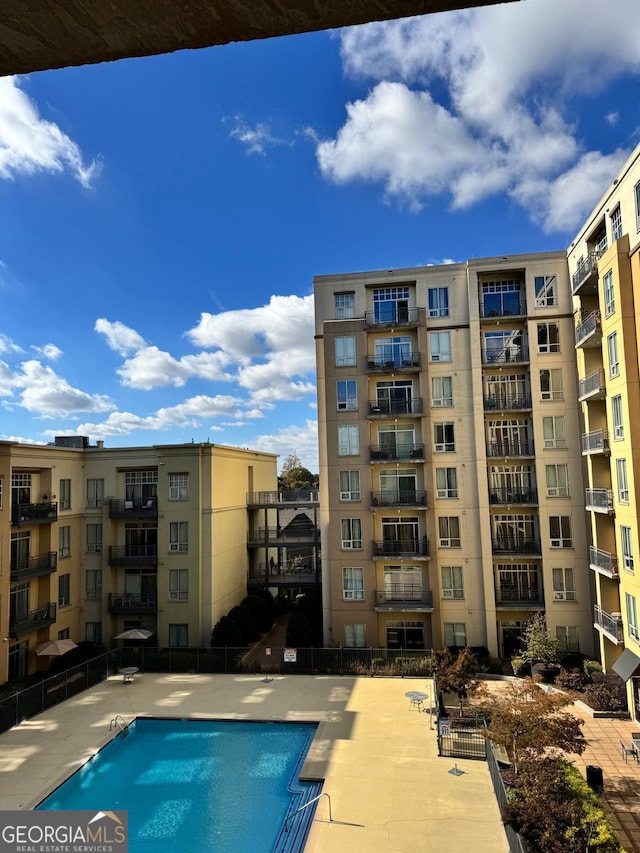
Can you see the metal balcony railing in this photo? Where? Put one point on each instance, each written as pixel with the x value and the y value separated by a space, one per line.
pixel 589 328
pixel 132 602
pixel 383 408
pixel 398 316
pixel 292 496
pixel 603 562
pixel 22 624
pixel 133 555
pixel 32 567
pixel 406 594
pixel 514 595
pixel 599 500
pixel 283 536
pixel 505 402
pixel 399 548
pixel 139 507
pixel 586 273
pixel 592 385
pixel 509 355
pixel 382 453
pixel 595 442
pixel 503 449
pixel 513 496
pixel 392 497
pixel 45 512
pixel 609 623
pixel 516 545
pixel 380 364
pixel 510 309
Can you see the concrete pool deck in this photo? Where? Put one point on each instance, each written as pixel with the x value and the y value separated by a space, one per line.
pixel 388 789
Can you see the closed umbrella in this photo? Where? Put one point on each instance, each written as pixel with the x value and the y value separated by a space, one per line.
pixel 134 634
pixel 55 647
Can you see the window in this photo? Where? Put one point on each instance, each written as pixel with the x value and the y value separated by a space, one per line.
pixel 560 531
pixel 65 494
pixel 443 438
pixel 616 224
pixel 501 298
pixel 64 634
pixel 347 395
pixel 64 542
pixel 455 634
pixel 440 346
pixel 95 492
pixel 609 297
pixel 345 306
pixel 178 487
pixel 449 531
pixel 612 350
pixel 567 636
pixel 391 305
pixel 632 616
pixel 349 485
pixel 563 585
pixel 179 636
pixel 94 538
pixel 545 287
pixel 551 384
pixel 93 632
pixel 557 481
pixel 179 536
pixel 627 547
pixel 548 338
pixel 354 636
pixel 351 533
pixel 623 482
pixel 93 588
pixel 438 301
pixel 346 351
pixel 616 413
pixel 178 584
pixel 348 440
pixel 352 584
pixel 394 352
pixel 20 489
pixel 553 432
pixel 446 483
pixel 452 586
pixel 141 486
pixel 64 586
pixel 441 391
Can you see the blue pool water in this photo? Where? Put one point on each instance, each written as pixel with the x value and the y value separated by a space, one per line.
pixel 199 785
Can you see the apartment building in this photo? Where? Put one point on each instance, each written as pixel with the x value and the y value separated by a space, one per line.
pixel 452 503
pixel 604 267
pixel 96 540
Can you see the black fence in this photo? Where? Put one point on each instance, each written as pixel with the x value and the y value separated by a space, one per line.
pixel 514 839
pixel 462 737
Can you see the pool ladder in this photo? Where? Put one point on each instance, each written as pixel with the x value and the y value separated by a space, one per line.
pixel 119 722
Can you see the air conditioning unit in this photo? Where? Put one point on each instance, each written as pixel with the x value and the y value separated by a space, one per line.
pixel 559 596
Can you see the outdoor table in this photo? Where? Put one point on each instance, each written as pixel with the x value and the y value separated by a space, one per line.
pixel 416 699
pixel 128 673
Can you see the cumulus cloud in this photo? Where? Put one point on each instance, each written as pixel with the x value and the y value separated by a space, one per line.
pixel 47 394
pixel 255 139
pixel 30 144
pixel 472 103
pixel 301 439
pixel 48 351
pixel 7 345
pixel 119 337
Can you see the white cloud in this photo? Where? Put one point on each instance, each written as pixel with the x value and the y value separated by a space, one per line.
pixel 254 139
pixel 30 144
pixel 47 394
pixel 50 351
pixel 119 337
pixel 7 345
pixel 472 103
pixel 612 118
pixel 299 439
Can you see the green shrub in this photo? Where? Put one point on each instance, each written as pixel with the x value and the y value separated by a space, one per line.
pixel 591 666
pixel 261 612
pixel 607 692
pixel 226 633
pixel 244 618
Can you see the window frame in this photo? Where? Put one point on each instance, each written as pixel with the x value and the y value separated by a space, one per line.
pixel 64 542
pixel 64 502
pixel 568 637
pixel 608 292
pixel 178 588
pixel 449 475
pixel 554 389
pixel 348 440
pixel 178 537
pixel 347 395
pixel 351 534
pixel 617 418
pixel 449 535
pixel 626 548
pixel 550 346
pixel 345 308
pixel 560 489
pixel 64 589
pixel 616 223
pixel 352 493
pixel 545 290
pixel 95 485
pixel 631 606
pixel 612 355
pixel 93 585
pixel 456 631
pixel 440 306
pixel 439 398
pixel 452 580
pixel 357 632
pixel 444 446
pixel 561 540
pixel 346 359
pixel 554 438
pixel 178 631
pixel 440 353
pixel 94 539
pixel 563 583
pixel 352 583
pixel 179 486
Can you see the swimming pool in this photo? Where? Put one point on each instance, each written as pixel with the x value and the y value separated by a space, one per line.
pixel 200 785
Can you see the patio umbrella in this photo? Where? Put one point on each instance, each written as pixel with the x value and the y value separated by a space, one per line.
pixel 55 647
pixel 134 634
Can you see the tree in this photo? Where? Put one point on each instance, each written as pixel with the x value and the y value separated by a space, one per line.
pixel 293 475
pixel 226 633
pixel 540 645
pixel 455 674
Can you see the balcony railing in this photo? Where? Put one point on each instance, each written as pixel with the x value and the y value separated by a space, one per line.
pixel 33 621
pixel 608 623
pixel 506 402
pixel 513 496
pixel 45 512
pixel 589 330
pixel 380 364
pixel 391 497
pixel 33 567
pixel 603 562
pixel 133 555
pixel 586 274
pixel 599 500
pixel 595 442
pixel 509 355
pixel 592 386
pixel 139 508
pixel 403 594
pixel 400 548
pixel 382 453
pixel 386 408
pixel 132 602
pixel 504 449
pixel 400 316
pixel 519 596
pixel 292 496
pixel 515 309
pixel 283 536
pixel 516 545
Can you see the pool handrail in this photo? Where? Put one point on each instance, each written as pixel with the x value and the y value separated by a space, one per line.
pixel 310 803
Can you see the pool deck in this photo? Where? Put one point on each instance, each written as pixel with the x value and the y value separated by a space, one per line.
pixel 377 754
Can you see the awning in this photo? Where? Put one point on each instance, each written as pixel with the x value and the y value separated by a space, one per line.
pixel 626 664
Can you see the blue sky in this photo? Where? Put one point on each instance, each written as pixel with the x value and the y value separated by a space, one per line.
pixel 161 219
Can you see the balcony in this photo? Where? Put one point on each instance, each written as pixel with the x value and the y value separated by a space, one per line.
pixel 401 548
pixel 33 621
pixel 512 596
pixel 139 508
pixel 585 278
pixel 507 402
pixel 382 453
pixel 501 497
pixel 517 545
pixel 45 512
pixel 609 624
pixel 33 567
pixel 514 308
pixel 260 536
pixel 595 442
pixel 295 497
pixel 589 330
pixel 509 355
pixel 393 408
pixel 408 363
pixel 391 497
pixel 123 603
pixel 133 555
pixel 507 449
pixel 592 387
pixel 603 562
pixel 401 316
pixel 404 597
pixel 599 500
